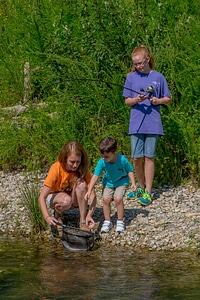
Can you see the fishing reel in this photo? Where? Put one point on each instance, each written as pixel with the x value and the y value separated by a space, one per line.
pixel 149 90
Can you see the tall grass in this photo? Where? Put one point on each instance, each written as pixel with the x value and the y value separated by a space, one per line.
pixel 80 48
pixel 30 195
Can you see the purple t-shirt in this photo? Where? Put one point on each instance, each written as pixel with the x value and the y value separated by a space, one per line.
pixel 145 118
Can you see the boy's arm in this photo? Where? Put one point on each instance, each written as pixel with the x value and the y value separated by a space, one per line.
pixel 92 196
pixel 93 181
pixel 93 202
pixel 91 186
pixel 132 179
pixel 158 101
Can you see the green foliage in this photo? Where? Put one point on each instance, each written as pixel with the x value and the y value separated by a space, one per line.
pixel 75 49
pixel 30 195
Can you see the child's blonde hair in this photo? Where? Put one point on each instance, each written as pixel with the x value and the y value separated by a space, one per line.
pixel 146 52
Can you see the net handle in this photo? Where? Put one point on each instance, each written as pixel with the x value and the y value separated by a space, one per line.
pixel 89 233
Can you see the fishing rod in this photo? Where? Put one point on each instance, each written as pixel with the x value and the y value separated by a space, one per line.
pixel 149 89
pixel 106 82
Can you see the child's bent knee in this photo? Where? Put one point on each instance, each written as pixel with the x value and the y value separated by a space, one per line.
pixel 64 203
pixel 82 185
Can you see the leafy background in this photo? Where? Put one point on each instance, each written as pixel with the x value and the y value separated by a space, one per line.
pixel 81 53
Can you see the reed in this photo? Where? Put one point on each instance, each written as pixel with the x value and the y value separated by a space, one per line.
pixel 30 195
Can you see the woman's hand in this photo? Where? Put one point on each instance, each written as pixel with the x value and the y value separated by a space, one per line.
pixel 51 220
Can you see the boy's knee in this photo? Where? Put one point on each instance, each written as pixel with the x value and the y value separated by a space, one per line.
pixel 107 200
pixel 118 201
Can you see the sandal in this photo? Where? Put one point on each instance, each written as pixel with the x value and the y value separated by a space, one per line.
pixel 58 228
pixel 83 226
pixel 57 213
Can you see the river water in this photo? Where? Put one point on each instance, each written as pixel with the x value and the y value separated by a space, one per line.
pixel 48 271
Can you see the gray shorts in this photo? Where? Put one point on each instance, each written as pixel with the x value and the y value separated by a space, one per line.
pixel 117 192
pixel 49 200
pixel 143 145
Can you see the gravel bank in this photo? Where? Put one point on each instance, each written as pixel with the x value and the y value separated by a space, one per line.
pixel 171 222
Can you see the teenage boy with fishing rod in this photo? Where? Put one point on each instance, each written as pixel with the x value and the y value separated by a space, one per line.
pixel 145 120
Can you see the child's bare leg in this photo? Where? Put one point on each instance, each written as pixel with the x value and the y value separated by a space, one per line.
pixel 78 199
pixel 139 170
pixel 120 208
pixel 149 173
pixel 106 208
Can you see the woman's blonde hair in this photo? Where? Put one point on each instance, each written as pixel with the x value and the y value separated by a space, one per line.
pixel 77 149
pixel 146 52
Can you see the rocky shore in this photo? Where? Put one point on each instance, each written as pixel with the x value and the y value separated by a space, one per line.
pixel 171 222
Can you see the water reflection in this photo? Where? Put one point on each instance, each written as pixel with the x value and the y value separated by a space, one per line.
pixel 50 272
pixel 68 276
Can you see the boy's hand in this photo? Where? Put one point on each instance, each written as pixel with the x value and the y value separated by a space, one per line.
pixel 90 222
pixel 86 196
pixel 133 187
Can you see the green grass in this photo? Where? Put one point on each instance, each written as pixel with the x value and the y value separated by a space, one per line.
pixel 70 40
pixel 30 195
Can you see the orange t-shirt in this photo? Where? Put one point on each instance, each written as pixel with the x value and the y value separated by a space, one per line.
pixel 57 178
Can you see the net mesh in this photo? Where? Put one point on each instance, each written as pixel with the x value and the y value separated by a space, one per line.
pixel 77 239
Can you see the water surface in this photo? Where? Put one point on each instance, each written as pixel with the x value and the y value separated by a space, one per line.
pixel 48 271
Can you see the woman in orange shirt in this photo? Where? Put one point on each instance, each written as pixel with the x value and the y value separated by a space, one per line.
pixel 66 185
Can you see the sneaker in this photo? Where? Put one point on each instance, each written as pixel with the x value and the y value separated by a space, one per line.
pixel 145 199
pixel 120 226
pixel 138 193
pixel 107 225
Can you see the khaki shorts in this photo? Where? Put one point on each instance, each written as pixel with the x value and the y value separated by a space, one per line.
pixel 116 192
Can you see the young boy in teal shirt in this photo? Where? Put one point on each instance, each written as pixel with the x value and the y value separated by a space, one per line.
pixel 118 172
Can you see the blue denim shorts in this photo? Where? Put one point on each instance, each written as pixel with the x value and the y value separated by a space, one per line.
pixel 143 145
